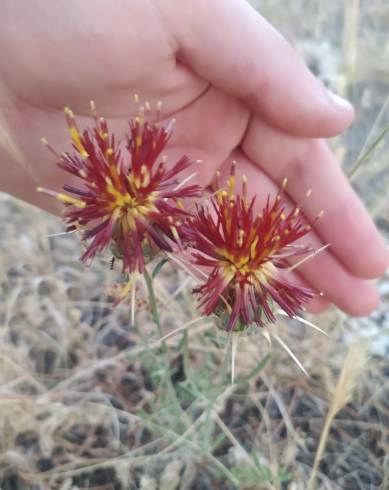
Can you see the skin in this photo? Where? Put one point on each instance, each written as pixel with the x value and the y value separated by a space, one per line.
pixel 234 85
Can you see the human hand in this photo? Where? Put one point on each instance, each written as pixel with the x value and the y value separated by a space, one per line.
pixel 236 88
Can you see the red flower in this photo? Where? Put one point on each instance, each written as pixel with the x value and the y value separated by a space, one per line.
pixel 127 198
pixel 245 252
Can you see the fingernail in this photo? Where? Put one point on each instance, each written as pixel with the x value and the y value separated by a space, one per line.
pixel 339 101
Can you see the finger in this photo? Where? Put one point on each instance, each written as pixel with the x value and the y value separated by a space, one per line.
pixel 209 129
pixel 309 164
pixel 317 304
pixel 229 44
pixel 323 273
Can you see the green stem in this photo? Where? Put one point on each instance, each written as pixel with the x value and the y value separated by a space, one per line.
pixel 164 347
pixel 153 302
pixel 367 153
pixel 155 316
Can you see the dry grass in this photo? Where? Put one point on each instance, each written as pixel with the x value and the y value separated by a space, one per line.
pixel 88 402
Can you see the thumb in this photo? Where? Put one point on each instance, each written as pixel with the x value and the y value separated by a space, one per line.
pixel 230 45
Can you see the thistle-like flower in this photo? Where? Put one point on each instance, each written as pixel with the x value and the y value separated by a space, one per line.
pixel 127 198
pixel 245 254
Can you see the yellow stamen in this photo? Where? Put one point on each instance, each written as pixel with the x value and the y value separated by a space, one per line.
pixel 68 112
pixel 240 238
pixel 231 182
pixel 254 246
pixel 265 272
pixel 146 176
pixel 75 135
pixel 244 188
pixel 63 197
pixel 92 107
pixel 70 200
pixel 231 179
pixel 175 233
pixel 221 195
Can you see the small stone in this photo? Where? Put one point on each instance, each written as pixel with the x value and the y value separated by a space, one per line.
pixel 170 478
pixel 45 464
pixel 45 287
pixel 77 434
pixel 27 439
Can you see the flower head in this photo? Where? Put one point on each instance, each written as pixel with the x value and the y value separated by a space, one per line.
pixel 245 253
pixel 127 197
